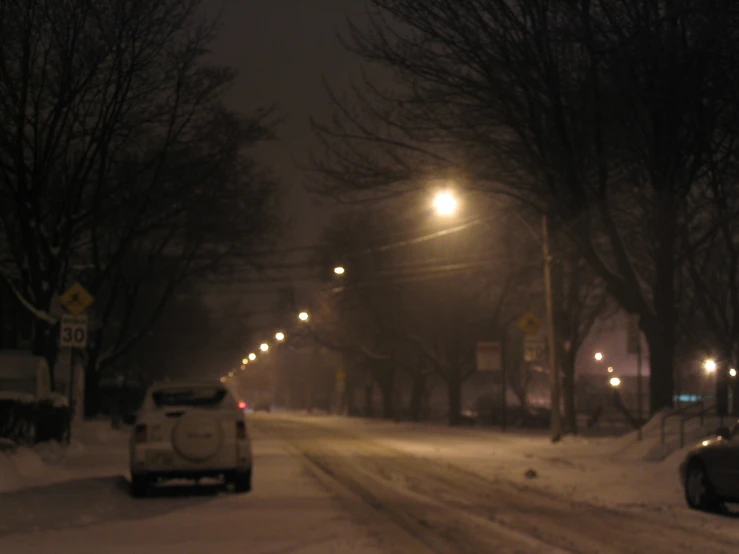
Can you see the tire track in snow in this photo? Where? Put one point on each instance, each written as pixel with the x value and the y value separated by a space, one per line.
pixel 465 504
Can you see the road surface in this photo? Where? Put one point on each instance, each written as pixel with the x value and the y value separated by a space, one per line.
pixel 323 489
pixel 431 507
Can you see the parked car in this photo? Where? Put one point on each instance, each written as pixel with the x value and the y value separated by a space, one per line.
pixel 191 430
pixel 710 471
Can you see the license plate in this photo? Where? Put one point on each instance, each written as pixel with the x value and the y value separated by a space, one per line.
pixel 159 458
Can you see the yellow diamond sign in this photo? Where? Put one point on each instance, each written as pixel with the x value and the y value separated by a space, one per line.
pixel 529 324
pixel 76 299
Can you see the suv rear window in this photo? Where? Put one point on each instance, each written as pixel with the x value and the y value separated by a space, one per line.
pixel 189 396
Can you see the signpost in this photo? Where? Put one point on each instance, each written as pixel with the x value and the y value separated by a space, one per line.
pixel 76 300
pixel 529 324
pixel 489 356
pixel 534 349
pixel 73 331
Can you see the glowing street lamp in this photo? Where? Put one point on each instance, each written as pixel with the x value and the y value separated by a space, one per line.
pixel 732 372
pixel 244 361
pixel 445 204
pixel 709 365
pixel 230 373
pixel 252 357
pixel 280 336
pixel 599 356
pixel 303 316
pixel 338 270
pixel 610 370
pixel 615 382
pixel 223 379
pixel 264 347
pixel 243 367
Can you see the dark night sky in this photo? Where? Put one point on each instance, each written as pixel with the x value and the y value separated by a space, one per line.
pixel 283 49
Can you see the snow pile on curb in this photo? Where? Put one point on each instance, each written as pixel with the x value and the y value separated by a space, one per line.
pixel 49 462
pixel 26 468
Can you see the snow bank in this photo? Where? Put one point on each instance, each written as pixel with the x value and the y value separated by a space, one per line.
pixel 51 462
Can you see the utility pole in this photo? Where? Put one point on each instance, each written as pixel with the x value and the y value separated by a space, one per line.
pixel 556 422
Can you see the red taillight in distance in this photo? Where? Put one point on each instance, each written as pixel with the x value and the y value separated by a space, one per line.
pixel 242 405
pixel 241 430
pixel 140 433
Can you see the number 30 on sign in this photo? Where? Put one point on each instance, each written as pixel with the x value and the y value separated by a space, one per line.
pixel 73 331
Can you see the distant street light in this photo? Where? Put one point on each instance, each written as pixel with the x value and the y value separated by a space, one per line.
pixel 599 356
pixel 252 357
pixel 303 316
pixel 610 370
pixel 709 365
pixel 280 336
pixel 243 367
pixel 732 372
pixel 615 382
pixel 264 347
pixel 339 270
pixel 445 203
pixel 223 379
pixel 244 361
pixel 230 373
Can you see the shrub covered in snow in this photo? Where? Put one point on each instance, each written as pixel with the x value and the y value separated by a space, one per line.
pixel 30 422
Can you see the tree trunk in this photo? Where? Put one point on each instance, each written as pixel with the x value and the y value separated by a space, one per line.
pixel 45 344
pixel 387 388
pixel 454 396
pixel 568 392
pixel 92 393
pixel 661 344
pixel 418 390
pixel 660 330
pixel 369 401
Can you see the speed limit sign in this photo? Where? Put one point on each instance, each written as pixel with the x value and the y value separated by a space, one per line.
pixel 73 331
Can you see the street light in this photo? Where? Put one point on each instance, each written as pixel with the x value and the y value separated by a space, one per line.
pixel 445 203
pixel 709 365
pixel 280 336
pixel 223 379
pixel 252 357
pixel 303 316
pixel 610 370
pixel 264 347
pixel 339 270
pixel 599 356
pixel 615 382
pixel 230 373
pixel 243 367
pixel 732 372
pixel 244 361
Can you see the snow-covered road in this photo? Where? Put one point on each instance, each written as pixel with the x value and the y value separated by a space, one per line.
pixel 85 508
pixel 434 502
pixel 328 485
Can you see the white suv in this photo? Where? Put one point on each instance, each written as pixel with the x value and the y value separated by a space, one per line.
pixel 189 430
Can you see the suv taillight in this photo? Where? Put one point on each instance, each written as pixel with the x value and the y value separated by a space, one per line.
pixel 241 430
pixel 140 433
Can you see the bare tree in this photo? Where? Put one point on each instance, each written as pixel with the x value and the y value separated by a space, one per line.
pixel 605 116
pixel 114 132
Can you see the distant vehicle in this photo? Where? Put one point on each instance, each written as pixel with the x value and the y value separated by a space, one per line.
pixel 710 471
pixel 190 430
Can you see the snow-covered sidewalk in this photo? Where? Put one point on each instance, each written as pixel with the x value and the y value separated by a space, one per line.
pixel 609 472
pixel 81 505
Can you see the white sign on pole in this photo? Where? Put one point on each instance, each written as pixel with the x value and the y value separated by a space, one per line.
pixel 489 356
pixel 73 331
pixel 633 334
pixel 534 349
